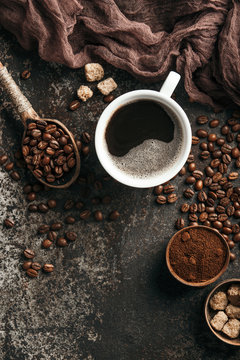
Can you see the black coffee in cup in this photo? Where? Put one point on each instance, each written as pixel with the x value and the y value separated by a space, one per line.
pixel 143 139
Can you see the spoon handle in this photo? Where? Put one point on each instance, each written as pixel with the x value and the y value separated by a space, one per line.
pixel 21 103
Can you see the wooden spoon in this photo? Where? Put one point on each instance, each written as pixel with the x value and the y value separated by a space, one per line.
pixel 27 113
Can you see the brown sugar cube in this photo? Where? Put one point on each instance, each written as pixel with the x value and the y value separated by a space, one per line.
pixel 219 301
pixel 93 72
pixel 219 320
pixel 84 93
pixel 233 294
pixel 233 312
pixel 107 86
pixel 232 328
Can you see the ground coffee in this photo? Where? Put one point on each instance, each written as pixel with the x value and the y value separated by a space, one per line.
pixel 197 254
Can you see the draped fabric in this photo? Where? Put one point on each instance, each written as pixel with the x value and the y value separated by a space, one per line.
pixel 147 38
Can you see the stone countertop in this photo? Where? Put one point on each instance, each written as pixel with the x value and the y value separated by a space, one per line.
pixel 111 296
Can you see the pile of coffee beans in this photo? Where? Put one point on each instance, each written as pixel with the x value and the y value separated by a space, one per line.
pixel 48 151
pixel 31 267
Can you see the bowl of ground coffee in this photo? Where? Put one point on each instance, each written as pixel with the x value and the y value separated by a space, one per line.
pixel 197 255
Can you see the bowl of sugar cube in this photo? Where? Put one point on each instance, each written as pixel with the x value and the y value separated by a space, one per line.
pixel 222 311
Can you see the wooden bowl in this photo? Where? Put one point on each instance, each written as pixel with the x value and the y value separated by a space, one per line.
pixel 203 283
pixel 209 313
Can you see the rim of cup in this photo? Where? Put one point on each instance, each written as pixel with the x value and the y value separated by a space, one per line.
pixel 102 149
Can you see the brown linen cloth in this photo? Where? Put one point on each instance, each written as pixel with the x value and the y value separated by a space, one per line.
pixel 200 38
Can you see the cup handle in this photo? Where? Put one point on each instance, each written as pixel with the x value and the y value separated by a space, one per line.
pixel 170 84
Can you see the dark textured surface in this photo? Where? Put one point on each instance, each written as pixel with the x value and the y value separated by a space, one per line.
pixel 110 297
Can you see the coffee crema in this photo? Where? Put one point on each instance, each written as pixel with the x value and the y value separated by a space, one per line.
pixel 143 140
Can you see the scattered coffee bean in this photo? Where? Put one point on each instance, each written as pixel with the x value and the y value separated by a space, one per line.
pixel 114 215
pixel 43 229
pixel 52 203
pixel 31 196
pixel 26 265
pixel 197 174
pixel 214 123
pixel 217 225
pixel 46 243
pixel 36 266
pixel 70 220
pixel 85 214
pixel 179 223
pixel 201 207
pixel 204 146
pixel 235 153
pixel 62 242
pixel 183 171
pixel 9 166
pixel 236 214
pixel 56 226
pixel 191 167
pixel 158 190
pixel 161 199
pixel 25 74
pixel 74 105
pixel 204 155
pixel 193 208
pixel 48 268
pixel 98 215
pixel 3 159
pixel 207 223
pixel 236 237
pixel 211 147
pixel 193 217
pixel 172 198
pixel 190 180
pixel 202 133
pixel 188 193
pixel 52 235
pixel 203 216
pixel 71 235
pixel 108 98
pixel 43 208
pixel 198 185
pixel 215 163
pixel 195 140
pixel 202 119
pixel 86 138
pixel 231 244
pixel 9 223
pixel 32 273
pixel 27 189
pixel 225 130
pixel 233 175
pixel 235 228
pixel 15 175
pixel 212 137
pixel 32 208
pixel 202 196
pixel 209 171
pixel 232 256
pixel 28 253
pixel 190 158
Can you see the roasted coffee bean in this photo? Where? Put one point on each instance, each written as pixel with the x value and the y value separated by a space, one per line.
pixel 32 208
pixel 85 214
pixel 43 229
pixel 214 123
pixel 226 158
pixel 69 204
pixel 31 196
pixel 48 268
pixel 225 130
pixel 3 159
pixel 223 181
pixel 52 203
pixel 235 153
pixel 158 190
pixel 62 242
pixel 211 147
pixel 50 178
pixel 46 243
pixel 207 181
pixel 197 174
pixel 86 137
pixel 190 180
pixel 216 177
pixel 26 265
pixel 202 119
pixel 230 210
pixel 204 155
pixel 188 193
pixel 183 171
pixel 204 146
pixel 52 235
pixel 201 207
pixel 233 175
pixel 191 167
pixel 203 216
pixel 27 189
pixel 41 124
pixel 79 205
pixel 32 126
pixel 190 158
pixel 222 168
pixel 25 74
pixel 15 175
pixel 85 150
pixel 98 215
pixel 212 195
pixel 193 208
pixel 236 237
pixel 51 128
pixel 236 214
pixel 237 163
pixel 161 199
pixel 198 185
pixel 29 254
pixel 207 223
pixel 71 235
pixel 56 226
pixel 220 209
pixel 74 105
pixel 220 141
pixel 202 133
pixel 32 273
pixel 236 204
pixel 231 244
pixel 212 217
pixel 108 98
pixel 36 266
pixel 67 149
pixel 43 208
pixel 225 237
pixel 114 215
pixel 212 137
pixel 168 189
pixel 193 217
pixel 226 149
pixel 236 128
pixel 214 187
pixel 230 137
pixel 9 166
pixel 215 163
pixel 38 173
pixel 210 209
pixel 235 228
pixel 193 223
pixel 216 154
pixel 209 171
pixel 217 225
pixel 226 223
pixel 202 196
pixel 226 230
pixel 9 223
pixel 195 140
pixel 232 256
pixel 70 220
pixel 224 201
pixel 237 190
pixel 172 198
pixel 184 208
pixel 179 224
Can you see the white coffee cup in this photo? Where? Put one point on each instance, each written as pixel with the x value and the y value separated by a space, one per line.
pixel 171 107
